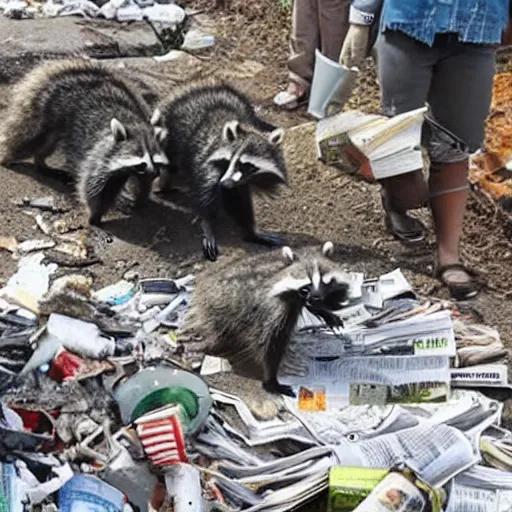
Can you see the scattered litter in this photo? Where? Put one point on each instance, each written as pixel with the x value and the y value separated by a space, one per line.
pixel 18 9
pixel 171 15
pixel 87 340
pixel 89 492
pixel 197 40
pixel 171 55
pixel 35 245
pixel 30 282
pixel 46 203
pixel 43 225
pixel 100 408
pixel 8 243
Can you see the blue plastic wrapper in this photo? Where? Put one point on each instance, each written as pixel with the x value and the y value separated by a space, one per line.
pixel 84 493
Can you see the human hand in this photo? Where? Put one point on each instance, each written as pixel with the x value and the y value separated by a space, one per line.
pixel 355 46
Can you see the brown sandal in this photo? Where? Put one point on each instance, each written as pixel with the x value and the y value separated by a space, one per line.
pixel 459 291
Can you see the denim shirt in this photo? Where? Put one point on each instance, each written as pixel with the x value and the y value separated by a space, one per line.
pixel 475 21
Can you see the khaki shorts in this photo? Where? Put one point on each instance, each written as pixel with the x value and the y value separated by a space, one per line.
pixel 454 78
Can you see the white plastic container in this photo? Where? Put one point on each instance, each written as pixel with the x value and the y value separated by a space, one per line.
pixel 331 82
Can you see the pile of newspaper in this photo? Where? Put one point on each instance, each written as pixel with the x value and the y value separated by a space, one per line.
pixel 457 456
pixel 381 418
pixel 394 347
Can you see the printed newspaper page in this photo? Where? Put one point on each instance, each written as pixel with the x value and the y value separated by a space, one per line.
pixel 436 453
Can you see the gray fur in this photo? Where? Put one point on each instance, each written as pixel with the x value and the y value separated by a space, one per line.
pixel 227 153
pixel 96 118
pixel 246 308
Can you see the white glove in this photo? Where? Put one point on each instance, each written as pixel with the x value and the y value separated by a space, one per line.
pixel 355 46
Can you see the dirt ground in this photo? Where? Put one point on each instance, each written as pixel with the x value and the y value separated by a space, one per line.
pixel 320 204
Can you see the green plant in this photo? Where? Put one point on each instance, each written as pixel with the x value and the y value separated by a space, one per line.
pixel 284 4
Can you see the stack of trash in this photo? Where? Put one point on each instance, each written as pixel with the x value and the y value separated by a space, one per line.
pixel 393 347
pixel 101 409
pixel 121 10
pixel 168 20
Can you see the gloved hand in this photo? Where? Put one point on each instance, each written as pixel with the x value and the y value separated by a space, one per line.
pixel 355 46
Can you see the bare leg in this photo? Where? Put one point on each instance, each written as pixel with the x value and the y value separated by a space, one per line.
pixel 399 194
pixel 449 193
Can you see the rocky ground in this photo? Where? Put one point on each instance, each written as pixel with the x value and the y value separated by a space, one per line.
pixel 320 204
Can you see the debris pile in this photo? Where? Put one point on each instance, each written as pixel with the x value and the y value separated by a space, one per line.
pixel 170 22
pixel 102 405
pixel 121 10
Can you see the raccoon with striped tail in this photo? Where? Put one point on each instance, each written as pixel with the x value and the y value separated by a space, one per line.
pixel 227 153
pixel 98 121
pixel 246 309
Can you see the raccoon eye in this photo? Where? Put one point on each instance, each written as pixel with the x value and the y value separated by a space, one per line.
pixel 140 168
pixel 304 291
pixel 222 165
pixel 248 168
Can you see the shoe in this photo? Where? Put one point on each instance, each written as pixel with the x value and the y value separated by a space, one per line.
pixel 406 229
pixel 291 99
pixel 459 291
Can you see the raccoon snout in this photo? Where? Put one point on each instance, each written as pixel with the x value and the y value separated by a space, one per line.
pixel 315 297
pixel 229 183
pixel 149 170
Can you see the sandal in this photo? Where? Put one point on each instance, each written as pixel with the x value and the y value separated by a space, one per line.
pixel 406 229
pixel 459 291
pixel 291 99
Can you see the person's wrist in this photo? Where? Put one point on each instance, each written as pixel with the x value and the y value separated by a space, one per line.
pixel 358 17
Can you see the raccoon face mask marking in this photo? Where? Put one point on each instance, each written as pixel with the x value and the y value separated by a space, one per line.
pixel 221 156
pixel 145 164
pixel 253 165
pixel 136 150
pixel 320 288
pixel 243 166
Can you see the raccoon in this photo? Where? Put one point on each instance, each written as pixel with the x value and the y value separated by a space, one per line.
pixel 98 121
pixel 227 151
pixel 246 309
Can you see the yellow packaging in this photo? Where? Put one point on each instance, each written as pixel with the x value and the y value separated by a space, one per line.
pixel 349 486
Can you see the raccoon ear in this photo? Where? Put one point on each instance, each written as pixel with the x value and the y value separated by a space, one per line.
pixel 118 130
pixel 156 117
pixel 288 255
pixel 160 134
pixel 277 136
pixel 328 249
pixel 230 131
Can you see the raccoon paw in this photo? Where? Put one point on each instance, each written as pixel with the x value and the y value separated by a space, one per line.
pixel 210 249
pixel 267 239
pixel 272 386
pixel 263 409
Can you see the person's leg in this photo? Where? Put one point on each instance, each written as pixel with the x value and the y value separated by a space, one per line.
pixel 460 99
pixel 405 71
pixel 305 39
pixel 333 22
